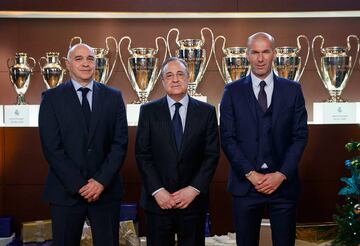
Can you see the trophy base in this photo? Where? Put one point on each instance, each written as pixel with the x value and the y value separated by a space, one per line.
pixel 132 113
pixel 21 99
pixel 335 97
pixel 21 115
pixel 336 113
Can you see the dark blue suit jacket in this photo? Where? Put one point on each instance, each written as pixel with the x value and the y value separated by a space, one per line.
pixel 239 132
pixel 76 154
pixel 162 165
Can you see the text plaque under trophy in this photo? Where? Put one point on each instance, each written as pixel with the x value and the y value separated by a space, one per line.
pixel 132 114
pixel 1 115
pixel 21 115
pixel 336 113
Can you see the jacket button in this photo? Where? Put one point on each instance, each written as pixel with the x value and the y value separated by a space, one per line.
pixel 89 150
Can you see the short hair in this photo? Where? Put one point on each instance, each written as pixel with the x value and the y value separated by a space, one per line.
pixel 171 59
pixel 77 45
pixel 261 35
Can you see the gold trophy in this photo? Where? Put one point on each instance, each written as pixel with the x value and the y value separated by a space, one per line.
pixel 191 50
pixel 51 71
pixel 234 64
pixel 336 66
pixel 19 72
pixel 288 63
pixel 102 59
pixel 142 67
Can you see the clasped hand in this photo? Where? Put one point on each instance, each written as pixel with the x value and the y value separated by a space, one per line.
pixel 92 190
pixel 179 199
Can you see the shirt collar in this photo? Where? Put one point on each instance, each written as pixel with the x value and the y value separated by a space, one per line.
pixel 184 101
pixel 77 85
pixel 256 81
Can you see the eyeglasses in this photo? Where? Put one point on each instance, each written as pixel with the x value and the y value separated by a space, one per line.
pixel 171 76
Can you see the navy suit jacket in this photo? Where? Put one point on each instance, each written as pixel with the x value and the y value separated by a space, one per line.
pixel 239 132
pixel 75 153
pixel 162 165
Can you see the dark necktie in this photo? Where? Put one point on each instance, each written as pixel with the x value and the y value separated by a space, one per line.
pixel 178 129
pixel 262 99
pixel 85 106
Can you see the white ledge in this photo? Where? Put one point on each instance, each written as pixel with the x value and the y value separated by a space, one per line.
pixel 176 15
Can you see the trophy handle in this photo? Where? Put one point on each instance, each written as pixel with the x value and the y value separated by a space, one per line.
pixel 357 50
pixel 212 43
pixel 307 54
pixel 33 65
pixel 176 40
pixel 215 57
pixel 73 39
pixel 116 54
pixel 10 59
pixel 313 52
pixel 39 62
pixel 121 59
pixel 165 54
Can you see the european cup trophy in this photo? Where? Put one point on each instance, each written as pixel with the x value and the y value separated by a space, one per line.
pixel 103 69
pixel 193 52
pixel 288 63
pixel 142 67
pixel 52 71
pixel 234 64
pixel 20 71
pixel 336 66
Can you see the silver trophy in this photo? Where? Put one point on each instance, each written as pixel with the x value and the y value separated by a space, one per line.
pixel 52 71
pixel 142 67
pixel 288 62
pixel 234 63
pixel 192 51
pixel 20 71
pixel 336 66
pixel 102 59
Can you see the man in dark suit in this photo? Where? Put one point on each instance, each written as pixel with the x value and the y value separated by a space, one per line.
pixel 177 151
pixel 263 125
pixel 83 132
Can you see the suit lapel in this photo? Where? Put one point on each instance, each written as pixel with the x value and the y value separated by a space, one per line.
pixel 97 103
pixel 73 104
pixel 190 121
pixel 249 97
pixel 166 118
pixel 276 99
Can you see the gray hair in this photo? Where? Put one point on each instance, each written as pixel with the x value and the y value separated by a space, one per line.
pixel 77 45
pixel 171 59
pixel 261 35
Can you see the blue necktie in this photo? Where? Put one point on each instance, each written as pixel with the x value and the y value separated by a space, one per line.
pixel 262 98
pixel 178 129
pixel 85 106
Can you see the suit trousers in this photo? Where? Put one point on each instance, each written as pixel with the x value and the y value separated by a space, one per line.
pixel 248 212
pixel 68 222
pixel 161 228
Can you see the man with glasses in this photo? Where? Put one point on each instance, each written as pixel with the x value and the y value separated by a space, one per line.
pixel 177 150
pixel 263 125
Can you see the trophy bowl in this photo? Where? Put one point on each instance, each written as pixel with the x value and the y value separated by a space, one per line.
pixel 52 71
pixel 19 72
pixel 336 66
pixel 142 68
pixel 103 66
pixel 192 51
pixel 234 63
pixel 288 62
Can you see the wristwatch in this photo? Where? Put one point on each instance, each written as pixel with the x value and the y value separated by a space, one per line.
pixel 249 173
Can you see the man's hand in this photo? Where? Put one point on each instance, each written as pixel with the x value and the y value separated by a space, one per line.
pixel 184 197
pixel 255 178
pixel 164 199
pixel 92 190
pixel 270 182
